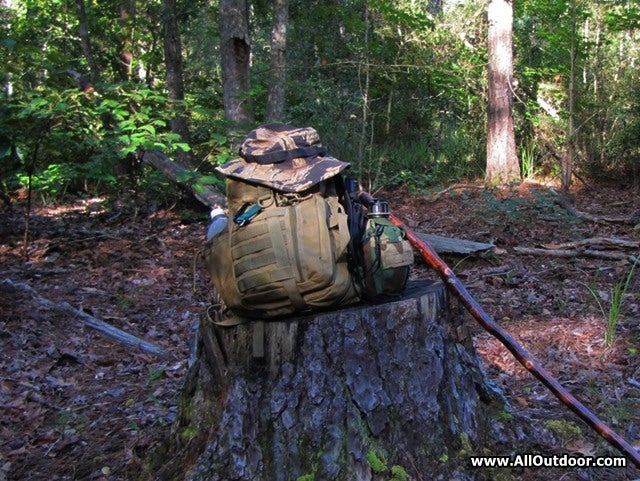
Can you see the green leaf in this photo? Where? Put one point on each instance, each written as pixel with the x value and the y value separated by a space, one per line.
pixel 61 107
pixel 219 138
pixel 120 114
pixel 209 179
pixel 182 145
pixel 149 128
pixel 222 158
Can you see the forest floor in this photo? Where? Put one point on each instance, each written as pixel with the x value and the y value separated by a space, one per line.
pixel 76 404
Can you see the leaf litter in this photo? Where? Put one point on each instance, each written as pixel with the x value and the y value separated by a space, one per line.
pixel 75 404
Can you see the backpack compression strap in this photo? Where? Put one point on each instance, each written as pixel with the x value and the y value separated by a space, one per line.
pixel 282 155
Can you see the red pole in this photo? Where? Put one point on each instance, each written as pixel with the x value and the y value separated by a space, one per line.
pixel 526 359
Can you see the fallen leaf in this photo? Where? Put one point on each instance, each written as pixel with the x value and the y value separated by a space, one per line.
pixel 581 446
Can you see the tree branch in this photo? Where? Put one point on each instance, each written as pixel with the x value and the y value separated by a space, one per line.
pixel 617 256
pixel 93 322
pixel 208 195
pixel 564 203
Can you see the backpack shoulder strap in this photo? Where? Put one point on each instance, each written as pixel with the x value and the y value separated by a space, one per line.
pixel 356 219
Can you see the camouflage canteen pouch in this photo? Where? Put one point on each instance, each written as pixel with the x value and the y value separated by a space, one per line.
pixel 286 248
pixel 387 256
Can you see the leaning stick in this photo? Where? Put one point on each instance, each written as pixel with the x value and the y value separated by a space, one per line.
pixel 526 359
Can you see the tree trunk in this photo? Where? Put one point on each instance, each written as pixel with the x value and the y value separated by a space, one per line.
pixel 502 161
pixel 126 20
pixel 569 155
pixel 175 82
pixel 235 50
pixel 83 32
pixel 277 88
pixel 365 393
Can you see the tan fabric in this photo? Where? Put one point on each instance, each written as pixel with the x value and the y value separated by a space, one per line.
pixel 291 257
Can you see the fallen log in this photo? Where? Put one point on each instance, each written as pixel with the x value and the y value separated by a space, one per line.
pixel 597 254
pixel 565 204
pixel 604 242
pixel 450 245
pixel 184 179
pixel 107 329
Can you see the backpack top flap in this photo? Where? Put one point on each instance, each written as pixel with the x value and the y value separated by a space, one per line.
pixel 283 158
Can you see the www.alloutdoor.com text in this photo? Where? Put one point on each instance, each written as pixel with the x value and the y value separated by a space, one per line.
pixel 547 461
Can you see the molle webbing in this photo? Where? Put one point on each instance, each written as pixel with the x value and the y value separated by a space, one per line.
pixel 290 257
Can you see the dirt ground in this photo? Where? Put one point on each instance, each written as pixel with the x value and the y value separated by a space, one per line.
pixel 78 405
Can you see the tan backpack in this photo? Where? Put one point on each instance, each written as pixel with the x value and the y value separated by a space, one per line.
pixel 285 249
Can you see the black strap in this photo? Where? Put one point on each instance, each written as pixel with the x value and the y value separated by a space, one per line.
pixel 357 221
pixel 282 155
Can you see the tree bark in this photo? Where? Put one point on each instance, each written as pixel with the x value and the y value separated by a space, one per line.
pixel 83 32
pixel 593 253
pixel 502 161
pixel 126 20
pixel 277 87
pixel 208 195
pixel 175 81
pixel 449 245
pixel 568 157
pixel 107 329
pixel 363 393
pixel 235 50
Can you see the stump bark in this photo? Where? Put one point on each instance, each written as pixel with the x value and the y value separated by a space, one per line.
pixel 377 392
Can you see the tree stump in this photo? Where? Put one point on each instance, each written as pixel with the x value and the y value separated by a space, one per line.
pixel 372 392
